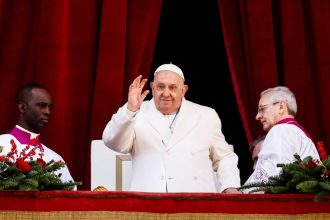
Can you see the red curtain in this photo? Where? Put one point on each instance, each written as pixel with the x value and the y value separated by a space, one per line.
pixel 86 53
pixel 271 43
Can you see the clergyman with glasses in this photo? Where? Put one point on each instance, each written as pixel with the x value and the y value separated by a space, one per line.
pixel 285 137
pixel 175 144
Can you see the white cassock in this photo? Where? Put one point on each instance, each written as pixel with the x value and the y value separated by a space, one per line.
pixel 48 153
pixel 168 158
pixel 281 143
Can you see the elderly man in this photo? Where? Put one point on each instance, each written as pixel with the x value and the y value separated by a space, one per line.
pixel 174 143
pixel 285 137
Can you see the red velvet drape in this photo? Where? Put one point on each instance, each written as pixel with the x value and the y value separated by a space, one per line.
pixel 282 42
pixel 86 53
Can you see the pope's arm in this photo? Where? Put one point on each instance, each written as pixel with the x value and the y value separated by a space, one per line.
pixel 223 158
pixel 119 135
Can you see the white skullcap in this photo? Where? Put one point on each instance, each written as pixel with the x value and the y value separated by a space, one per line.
pixel 170 67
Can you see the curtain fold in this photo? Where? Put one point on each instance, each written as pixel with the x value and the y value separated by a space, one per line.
pixel 248 35
pixel 127 40
pixel 271 43
pixel 82 52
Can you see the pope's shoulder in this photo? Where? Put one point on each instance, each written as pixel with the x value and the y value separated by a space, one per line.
pixel 198 106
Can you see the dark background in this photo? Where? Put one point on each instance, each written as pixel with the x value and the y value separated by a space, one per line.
pixel 191 38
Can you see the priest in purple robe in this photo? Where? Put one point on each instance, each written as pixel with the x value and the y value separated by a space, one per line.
pixel 35 106
pixel 285 137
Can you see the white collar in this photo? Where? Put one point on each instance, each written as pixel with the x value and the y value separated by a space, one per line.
pixel 33 135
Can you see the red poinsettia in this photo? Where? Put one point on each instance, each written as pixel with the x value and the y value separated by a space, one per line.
pixel 41 162
pixel 13 152
pixel 22 165
pixel 29 151
pixel 2 158
pixel 321 150
pixel 311 164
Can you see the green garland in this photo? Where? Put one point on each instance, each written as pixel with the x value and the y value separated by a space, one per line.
pixel 18 170
pixel 300 176
pixel 38 178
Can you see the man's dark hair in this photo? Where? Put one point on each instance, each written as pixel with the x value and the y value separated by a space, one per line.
pixel 25 92
pixel 256 141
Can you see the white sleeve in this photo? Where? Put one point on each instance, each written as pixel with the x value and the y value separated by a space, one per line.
pixel 119 135
pixel 66 176
pixel 224 156
pixel 281 143
pixel 65 173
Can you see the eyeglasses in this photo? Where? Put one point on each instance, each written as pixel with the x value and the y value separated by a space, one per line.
pixel 262 108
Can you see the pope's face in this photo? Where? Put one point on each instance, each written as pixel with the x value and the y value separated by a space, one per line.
pixel 168 90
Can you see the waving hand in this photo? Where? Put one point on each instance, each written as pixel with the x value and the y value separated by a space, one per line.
pixel 135 94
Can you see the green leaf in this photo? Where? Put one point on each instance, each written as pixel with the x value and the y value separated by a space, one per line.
pixel 30 181
pixel 8 184
pixel 278 189
pixel 25 187
pixel 300 176
pixel 325 186
pixel 296 167
pixel 309 186
pixel 297 157
pixel 327 163
pixel 307 159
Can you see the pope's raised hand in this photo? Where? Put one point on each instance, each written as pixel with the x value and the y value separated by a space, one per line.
pixel 135 94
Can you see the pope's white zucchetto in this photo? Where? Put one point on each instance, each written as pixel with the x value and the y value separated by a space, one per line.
pixel 170 67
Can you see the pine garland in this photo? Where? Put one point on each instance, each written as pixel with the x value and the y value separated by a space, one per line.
pixel 38 178
pixel 18 171
pixel 300 176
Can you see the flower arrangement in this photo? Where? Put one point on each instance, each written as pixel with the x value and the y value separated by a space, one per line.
pixel 18 171
pixel 301 176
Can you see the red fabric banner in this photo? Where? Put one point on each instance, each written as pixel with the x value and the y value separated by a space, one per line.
pixel 163 202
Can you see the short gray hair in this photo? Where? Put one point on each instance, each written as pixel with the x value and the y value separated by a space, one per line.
pixel 282 93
